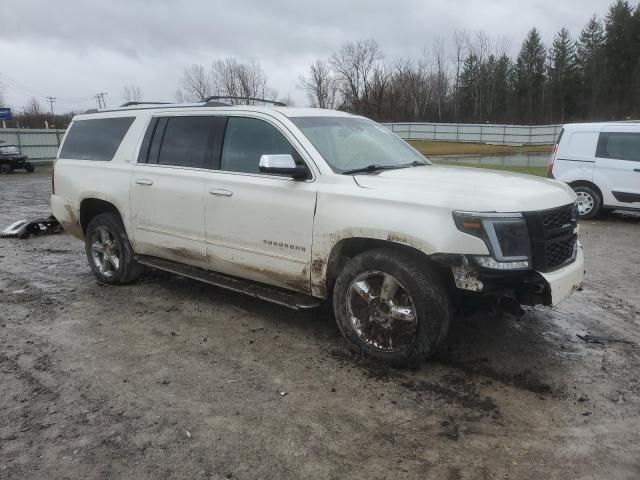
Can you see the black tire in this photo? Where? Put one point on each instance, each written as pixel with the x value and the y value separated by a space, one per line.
pixel 126 270
pixel 591 201
pixel 5 168
pixel 424 287
pixel 29 167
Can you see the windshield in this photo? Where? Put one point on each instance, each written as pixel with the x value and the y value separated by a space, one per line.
pixel 9 150
pixel 352 143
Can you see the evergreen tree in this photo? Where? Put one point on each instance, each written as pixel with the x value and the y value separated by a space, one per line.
pixel 503 89
pixel 621 51
pixel 470 102
pixel 591 64
pixel 563 74
pixel 529 73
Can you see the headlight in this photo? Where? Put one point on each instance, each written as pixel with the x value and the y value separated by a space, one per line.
pixel 505 234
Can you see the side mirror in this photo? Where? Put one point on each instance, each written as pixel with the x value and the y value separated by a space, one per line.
pixel 282 165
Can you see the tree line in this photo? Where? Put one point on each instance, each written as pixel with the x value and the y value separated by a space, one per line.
pixel 595 76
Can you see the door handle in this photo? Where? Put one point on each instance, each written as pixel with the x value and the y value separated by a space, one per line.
pixel 220 192
pixel 144 181
pixel 636 170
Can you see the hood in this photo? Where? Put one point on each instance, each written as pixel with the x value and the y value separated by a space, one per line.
pixel 467 188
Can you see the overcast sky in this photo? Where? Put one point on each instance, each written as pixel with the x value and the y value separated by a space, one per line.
pixel 71 49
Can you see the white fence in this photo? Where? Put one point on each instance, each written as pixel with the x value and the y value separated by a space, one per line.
pixel 477 133
pixel 41 143
pixel 36 143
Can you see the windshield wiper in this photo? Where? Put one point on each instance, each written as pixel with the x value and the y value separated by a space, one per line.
pixel 372 168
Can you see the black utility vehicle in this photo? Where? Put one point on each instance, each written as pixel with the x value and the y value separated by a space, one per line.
pixel 11 159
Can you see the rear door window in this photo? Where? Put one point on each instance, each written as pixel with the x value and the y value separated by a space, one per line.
pixel 192 142
pixel 247 139
pixel 97 139
pixel 619 146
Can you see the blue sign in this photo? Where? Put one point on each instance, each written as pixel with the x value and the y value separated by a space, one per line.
pixel 5 114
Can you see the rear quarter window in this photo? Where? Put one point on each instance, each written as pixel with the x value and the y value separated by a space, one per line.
pixel 581 145
pixel 95 139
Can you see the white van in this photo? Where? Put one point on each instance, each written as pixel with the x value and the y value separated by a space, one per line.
pixel 601 162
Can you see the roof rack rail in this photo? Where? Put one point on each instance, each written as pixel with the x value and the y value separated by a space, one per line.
pixel 130 104
pixel 211 101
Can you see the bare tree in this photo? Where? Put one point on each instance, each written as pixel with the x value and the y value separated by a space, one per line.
pixel 320 85
pixel 460 40
pixel 353 65
pixel 236 79
pixel 378 89
pixel 195 83
pixel 33 108
pixel 131 93
pixel 224 73
pixel 441 78
pixel 180 98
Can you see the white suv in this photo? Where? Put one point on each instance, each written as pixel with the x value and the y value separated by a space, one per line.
pixel 297 205
pixel 601 162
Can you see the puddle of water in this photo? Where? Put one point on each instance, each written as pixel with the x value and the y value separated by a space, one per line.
pixel 514 159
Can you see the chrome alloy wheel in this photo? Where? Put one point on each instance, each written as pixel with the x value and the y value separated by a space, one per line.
pixel 105 251
pixel 585 203
pixel 381 311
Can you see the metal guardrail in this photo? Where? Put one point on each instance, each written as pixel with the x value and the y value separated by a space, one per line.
pixel 477 133
pixel 36 143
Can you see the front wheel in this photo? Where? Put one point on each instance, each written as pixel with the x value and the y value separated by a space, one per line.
pixel 391 306
pixel 5 168
pixel 109 252
pixel 29 167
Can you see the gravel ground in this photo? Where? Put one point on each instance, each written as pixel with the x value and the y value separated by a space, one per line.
pixel 170 378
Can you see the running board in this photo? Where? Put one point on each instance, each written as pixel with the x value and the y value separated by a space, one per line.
pixel 287 298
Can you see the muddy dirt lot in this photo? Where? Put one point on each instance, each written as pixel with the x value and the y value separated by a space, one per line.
pixel 170 378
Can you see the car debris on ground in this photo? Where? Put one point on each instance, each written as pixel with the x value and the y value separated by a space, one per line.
pixel 24 228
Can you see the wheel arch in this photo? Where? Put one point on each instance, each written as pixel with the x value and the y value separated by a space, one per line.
pixel 91 206
pixel 586 183
pixel 325 272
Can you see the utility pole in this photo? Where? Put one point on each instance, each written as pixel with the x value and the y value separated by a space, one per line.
pixel 100 98
pixel 51 101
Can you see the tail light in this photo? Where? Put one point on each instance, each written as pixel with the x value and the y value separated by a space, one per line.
pixel 554 152
pixel 552 159
pixel 53 178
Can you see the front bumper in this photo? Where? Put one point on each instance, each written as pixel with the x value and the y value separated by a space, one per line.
pixel 526 287
pixel 564 281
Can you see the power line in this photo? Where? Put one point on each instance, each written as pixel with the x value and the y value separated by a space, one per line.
pixel 21 88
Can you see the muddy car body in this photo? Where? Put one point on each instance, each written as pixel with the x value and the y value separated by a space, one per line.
pixel 300 205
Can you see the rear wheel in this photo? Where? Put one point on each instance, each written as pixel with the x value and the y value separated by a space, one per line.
pixel 5 168
pixel 109 251
pixel 391 306
pixel 29 167
pixel 589 201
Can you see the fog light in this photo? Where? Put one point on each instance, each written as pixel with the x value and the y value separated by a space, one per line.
pixel 490 262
